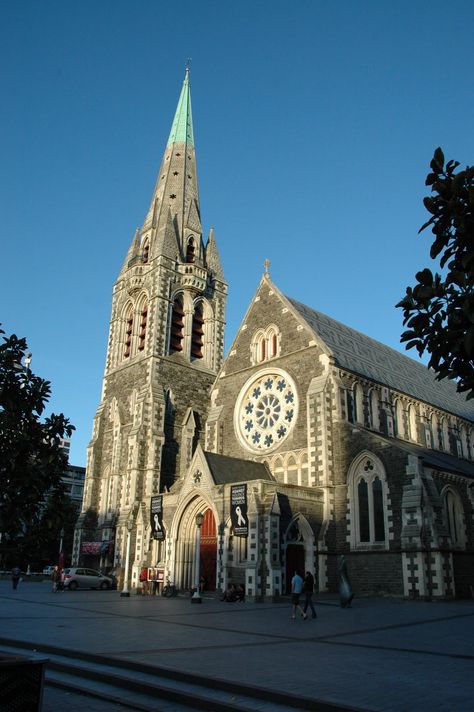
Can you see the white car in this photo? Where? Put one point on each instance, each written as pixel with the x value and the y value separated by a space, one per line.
pixel 81 577
pixel 48 570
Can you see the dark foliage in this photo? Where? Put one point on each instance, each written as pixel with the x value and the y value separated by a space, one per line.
pixel 31 459
pixel 439 310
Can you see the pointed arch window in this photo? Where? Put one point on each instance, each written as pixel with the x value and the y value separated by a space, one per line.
pixel 374 409
pixel 434 431
pixel 143 325
pixel 358 404
pixel 413 433
pixel 399 429
pixel 445 435
pixel 146 251
pixel 197 339
pixel 177 325
pixel 128 332
pixel 454 518
pixel 265 344
pixel 368 494
pixel 191 250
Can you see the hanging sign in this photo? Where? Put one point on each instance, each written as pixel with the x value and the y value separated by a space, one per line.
pixel 156 517
pixel 238 510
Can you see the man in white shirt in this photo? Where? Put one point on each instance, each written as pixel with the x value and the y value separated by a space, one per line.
pixel 296 589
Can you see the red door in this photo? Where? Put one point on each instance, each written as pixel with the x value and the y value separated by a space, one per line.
pixel 208 551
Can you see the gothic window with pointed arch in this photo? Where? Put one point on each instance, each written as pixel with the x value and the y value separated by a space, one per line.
pixel 358 404
pixel 434 431
pixel 265 344
pixel 454 512
pixel 190 250
pixel 463 440
pixel 368 503
pixel 128 331
pixel 197 337
pixel 399 428
pixel 146 251
pixel 374 403
pixel 412 426
pixel 177 325
pixel 143 325
pixel 445 434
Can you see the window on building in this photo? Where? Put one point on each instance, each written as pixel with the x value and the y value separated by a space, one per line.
pixel 367 485
pixel 434 431
pixel 454 517
pixel 197 339
pixel 190 250
pixel 445 435
pixel 399 428
pixel 143 325
pixel 146 251
pixel 128 332
pixel 265 344
pixel 413 432
pixel 177 325
pixel 374 409
pixel 358 404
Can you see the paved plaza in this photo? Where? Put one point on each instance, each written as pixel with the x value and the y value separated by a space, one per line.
pixel 381 654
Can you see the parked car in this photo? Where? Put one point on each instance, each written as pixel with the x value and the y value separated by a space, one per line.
pixel 48 570
pixel 81 577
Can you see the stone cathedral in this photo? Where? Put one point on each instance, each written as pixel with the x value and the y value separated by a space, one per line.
pixel 308 441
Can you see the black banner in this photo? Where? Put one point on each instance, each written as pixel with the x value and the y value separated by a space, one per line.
pixel 156 517
pixel 238 510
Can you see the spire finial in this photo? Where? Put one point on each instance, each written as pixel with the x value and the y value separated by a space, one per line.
pixel 187 66
pixel 266 264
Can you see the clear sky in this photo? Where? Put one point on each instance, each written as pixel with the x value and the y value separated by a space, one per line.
pixel 314 124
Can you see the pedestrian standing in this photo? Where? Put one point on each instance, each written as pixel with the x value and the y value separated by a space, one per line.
pixel 16 573
pixel 296 589
pixel 56 579
pixel 308 588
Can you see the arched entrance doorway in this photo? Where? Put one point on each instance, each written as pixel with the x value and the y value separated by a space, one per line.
pixel 299 549
pixel 208 552
pixel 183 568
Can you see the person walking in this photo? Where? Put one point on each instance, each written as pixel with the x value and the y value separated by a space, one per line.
pixel 308 588
pixel 296 589
pixel 16 573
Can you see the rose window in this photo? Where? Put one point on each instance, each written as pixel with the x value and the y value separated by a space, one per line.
pixel 266 411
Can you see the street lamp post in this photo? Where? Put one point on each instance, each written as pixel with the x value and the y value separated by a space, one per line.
pixel 196 597
pixel 125 592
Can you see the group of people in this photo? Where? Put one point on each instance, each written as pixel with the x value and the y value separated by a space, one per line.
pixel 306 587
pixel 234 593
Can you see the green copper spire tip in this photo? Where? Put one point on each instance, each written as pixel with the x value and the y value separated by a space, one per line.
pixel 182 128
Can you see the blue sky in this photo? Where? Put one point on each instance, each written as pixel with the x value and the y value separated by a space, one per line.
pixel 314 124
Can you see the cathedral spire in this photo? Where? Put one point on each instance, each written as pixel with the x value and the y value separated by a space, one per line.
pixel 176 190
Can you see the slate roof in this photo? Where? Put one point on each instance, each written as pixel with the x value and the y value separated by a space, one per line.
pixel 360 354
pixel 436 459
pixel 225 470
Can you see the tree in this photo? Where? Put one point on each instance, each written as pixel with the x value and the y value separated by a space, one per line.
pixel 439 310
pixel 31 459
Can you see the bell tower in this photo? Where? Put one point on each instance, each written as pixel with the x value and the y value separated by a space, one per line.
pixel 165 347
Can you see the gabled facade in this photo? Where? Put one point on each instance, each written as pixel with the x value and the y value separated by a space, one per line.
pixel 309 441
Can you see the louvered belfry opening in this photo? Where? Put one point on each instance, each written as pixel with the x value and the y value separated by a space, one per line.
pixel 190 250
pixel 128 335
pixel 177 326
pixel 143 323
pixel 198 333
pixel 146 252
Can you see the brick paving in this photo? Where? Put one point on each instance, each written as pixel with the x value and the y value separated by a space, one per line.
pixel 388 655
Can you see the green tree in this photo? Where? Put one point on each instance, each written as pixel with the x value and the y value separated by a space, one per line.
pixel 31 459
pixel 439 310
